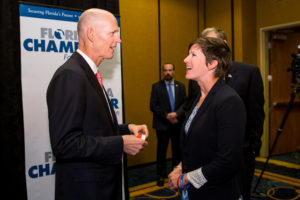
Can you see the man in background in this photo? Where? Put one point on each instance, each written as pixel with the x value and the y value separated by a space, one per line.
pixel 247 82
pixel 85 136
pixel 167 99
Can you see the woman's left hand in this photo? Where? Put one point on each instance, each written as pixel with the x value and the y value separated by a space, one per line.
pixel 173 178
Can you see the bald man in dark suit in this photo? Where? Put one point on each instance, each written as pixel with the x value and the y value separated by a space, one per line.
pixel 85 136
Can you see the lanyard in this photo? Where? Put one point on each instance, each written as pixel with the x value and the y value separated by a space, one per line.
pixel 184 193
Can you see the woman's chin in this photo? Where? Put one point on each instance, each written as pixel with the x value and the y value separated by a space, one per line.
pixel 188 77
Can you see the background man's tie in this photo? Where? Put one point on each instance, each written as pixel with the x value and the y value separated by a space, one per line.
pixel 171 97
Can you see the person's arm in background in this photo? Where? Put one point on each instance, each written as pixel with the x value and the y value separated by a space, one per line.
pixel 255 112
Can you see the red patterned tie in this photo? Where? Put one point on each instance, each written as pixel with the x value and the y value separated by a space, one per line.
pixel 98 75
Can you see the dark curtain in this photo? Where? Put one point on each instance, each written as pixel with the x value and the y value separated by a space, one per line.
pixel 11 114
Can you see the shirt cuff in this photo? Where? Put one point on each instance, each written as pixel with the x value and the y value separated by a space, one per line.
pixel 196 178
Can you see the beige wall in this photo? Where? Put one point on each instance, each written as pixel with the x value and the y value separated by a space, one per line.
pixel 248 33
pixel 218 14
pixel 139 34
pixel 146 42
pixel 178 28
pixel 244 28
pixel 275 12
pixel 238 19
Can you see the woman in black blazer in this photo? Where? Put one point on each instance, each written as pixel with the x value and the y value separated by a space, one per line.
pixel 212 135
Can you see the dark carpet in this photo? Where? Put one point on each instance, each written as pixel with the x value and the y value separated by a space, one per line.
pixel 281 180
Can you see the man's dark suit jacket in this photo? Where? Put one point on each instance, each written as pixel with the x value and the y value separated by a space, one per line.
pixel 246 80
pixel 214 142
pixel 85 137
pixel 160 104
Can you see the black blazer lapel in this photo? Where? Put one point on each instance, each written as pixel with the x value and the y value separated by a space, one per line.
pixel 207 101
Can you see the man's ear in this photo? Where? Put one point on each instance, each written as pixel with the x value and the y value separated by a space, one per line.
pixel 90 33
pixel 212 65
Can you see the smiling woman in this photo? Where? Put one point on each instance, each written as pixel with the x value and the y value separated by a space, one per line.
pixel 212 138
pixel 201 55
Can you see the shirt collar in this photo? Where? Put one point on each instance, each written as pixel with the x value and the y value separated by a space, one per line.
pixel 167 82
pixel 89 61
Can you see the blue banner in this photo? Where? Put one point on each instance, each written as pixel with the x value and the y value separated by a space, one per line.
pixel 49 13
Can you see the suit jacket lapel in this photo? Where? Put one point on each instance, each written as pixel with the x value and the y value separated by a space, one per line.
pixel 206 102
pixel 231 75
pixel 165 92
pixel 95 84
pixel 176 89
pixel 113 114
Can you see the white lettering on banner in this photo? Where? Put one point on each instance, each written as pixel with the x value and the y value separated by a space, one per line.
pixel 49 13
pixel 36 11
pixel 67 15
